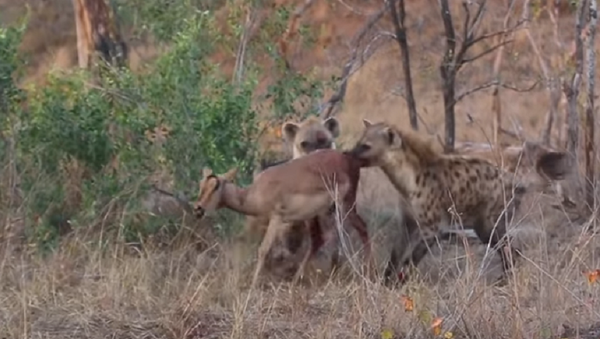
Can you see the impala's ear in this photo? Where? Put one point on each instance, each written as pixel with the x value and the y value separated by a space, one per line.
pixel 392 137
pixel 367 123
pixel 333 126
pixel 289 130
pixel 230 175
pixel 206 172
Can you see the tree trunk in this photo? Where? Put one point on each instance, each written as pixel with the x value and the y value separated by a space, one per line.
pixel 398 17
pixel 590 154
pixel 98 34
pixel 450 125
pixel 552 115
pixel 572 89
pixel 496 101
pixel 448 73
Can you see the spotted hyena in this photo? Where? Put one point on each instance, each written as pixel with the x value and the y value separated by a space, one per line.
pixel 304 137
pixel 308 136
pixel 443 189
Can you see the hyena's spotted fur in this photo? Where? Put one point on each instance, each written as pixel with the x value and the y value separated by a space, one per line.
pixel 442 188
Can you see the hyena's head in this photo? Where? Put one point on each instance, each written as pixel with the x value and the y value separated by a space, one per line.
pixel 375 142
pixel 311 134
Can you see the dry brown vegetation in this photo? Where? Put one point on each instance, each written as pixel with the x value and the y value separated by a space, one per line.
pixel 183 290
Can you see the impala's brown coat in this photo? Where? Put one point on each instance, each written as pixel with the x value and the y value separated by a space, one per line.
pixel 305 137
pixel 296 191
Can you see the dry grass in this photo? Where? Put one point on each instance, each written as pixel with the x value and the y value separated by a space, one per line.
pixel 83 292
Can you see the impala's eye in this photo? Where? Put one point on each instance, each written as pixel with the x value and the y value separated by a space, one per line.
pixel 199 210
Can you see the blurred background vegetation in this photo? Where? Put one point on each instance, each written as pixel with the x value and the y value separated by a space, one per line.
pixel 81 151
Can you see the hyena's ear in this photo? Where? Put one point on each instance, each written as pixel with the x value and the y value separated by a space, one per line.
pixel 289 131
pixel 392 137
pixel 367 123
pixel 333 126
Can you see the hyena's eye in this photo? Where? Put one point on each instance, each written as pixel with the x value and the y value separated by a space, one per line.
pixel 304 144
pixel 364 147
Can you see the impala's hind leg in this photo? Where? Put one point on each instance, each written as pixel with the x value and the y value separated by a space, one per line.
pixel 276 227
pixel 316 242
pixel 357 222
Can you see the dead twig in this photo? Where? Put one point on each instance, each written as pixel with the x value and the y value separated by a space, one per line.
pixel 455 57
pixel 291 31
pixel 398 17
pixel 337 97
pixel 492 84
pixel 496 102
pixel 549 79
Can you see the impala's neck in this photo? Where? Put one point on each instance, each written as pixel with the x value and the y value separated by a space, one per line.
pixel 235 198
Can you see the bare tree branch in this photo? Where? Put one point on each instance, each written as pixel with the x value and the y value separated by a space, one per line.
pixel 291 30
pixel 505 31
pixel 487 51
pixel 516 135
pixel 238 68
pixel 492 84
pixel 453 60
pixel 553 14
pixel 337 97
pixel 398 17
pixel 549 79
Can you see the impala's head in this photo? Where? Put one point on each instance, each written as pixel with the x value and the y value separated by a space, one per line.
pixel 377 139
pixel 210 197
pixel 311 134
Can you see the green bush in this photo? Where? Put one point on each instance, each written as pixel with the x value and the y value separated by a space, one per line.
pixel 95 123
pixel 10 95
pixel 82 151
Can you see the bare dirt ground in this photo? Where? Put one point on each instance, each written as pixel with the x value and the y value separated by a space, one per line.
pixel 82 291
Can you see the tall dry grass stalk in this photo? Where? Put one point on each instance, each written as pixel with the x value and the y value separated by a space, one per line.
pixel 82 291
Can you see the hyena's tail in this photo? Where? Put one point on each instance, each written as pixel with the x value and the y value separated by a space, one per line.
pixel 553 166
pixel 550 168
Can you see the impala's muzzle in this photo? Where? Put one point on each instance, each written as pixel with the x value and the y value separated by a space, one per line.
pixel 199 211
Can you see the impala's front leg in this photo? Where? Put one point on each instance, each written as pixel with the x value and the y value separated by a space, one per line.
pixel 276 227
